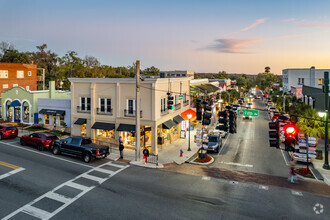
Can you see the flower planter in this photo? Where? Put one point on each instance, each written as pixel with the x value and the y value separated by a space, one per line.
pixel 305 173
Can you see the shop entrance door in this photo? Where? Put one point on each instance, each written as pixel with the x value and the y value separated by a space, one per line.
pixel 54 121
pixel 17 114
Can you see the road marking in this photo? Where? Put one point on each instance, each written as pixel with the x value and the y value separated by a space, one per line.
pixel 91 177
pixel 233 182
pixel 9 165
pixel 47 155
pixel 296 193
pixel 223 146
pixel 263 187
pixel 285 159
pixel 11 173
pixel 39 213
pixel 237 164
pixel 206 178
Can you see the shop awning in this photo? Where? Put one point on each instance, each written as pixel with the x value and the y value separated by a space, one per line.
pixel 185 113
pixel 103 126
pixel 126 127
pixel 15 103
pixel 51 112
pixel 81 121
pixel 168 124
pixel 178 119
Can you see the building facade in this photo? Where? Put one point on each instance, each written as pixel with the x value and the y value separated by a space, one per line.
pixel 177 73
pixel 104 109
pixel 298 77
pixel 21 105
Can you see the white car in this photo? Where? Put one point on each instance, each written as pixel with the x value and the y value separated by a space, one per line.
pixel 249 105
pixel 271 109
pixel 222 133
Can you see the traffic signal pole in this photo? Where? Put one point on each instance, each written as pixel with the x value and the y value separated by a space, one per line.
pixel 137 107
pixel 326 85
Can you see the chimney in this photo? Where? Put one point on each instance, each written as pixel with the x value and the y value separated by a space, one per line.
pixel 52 89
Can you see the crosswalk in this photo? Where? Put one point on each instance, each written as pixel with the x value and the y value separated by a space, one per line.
pixel 64 200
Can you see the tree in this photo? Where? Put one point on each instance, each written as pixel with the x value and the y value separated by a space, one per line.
pixel 4 46
pixel 311 127
pixel 14 56
pixel 221 75
pixel 267 69
pixel 153 71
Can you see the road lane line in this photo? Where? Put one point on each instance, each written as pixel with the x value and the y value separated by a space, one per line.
pixel 237 164
pixel 39 213
pixel 58 197
pixel 223 146
pixel 11 173
pixel 47 155
pixel 206 178
pixel 296 193
pixel 263 187
pixel 91 177
pixel 9 165
pixel 284 157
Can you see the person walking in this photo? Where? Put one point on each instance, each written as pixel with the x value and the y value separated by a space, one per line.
pixel 121 147
pixel 145 155
pixel 293 174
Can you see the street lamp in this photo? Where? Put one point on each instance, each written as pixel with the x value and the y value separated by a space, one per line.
pixel 189 117
pixel 321 114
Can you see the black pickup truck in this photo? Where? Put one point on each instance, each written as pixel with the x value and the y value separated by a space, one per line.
pixel 80 146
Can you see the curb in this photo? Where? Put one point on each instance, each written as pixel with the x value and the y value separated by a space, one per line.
pixel 308 179
pixel 137 163
pixel 204 164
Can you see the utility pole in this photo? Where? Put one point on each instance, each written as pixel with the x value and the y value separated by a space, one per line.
pixel 43 78
pixel 137 107
pixel 326 88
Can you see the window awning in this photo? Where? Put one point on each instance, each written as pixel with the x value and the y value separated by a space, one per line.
pixel 51 112
pixel 178 119
pixel 103 126
pixel 184 114
pixel 15 103
pixel 168 124
pixel 126 127
pixel 81 121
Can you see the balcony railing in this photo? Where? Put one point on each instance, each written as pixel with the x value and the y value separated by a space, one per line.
pixel 186 103
pixel 177 106
pixel 79 109
pixel 103 111
pixel 164 112
pixel 131 113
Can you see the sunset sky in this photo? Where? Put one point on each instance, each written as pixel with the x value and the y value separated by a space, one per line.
pixel 241 36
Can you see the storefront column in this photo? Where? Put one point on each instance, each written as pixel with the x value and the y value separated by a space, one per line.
pixel 154 148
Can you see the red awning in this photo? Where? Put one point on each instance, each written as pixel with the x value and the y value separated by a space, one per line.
pixel 185 113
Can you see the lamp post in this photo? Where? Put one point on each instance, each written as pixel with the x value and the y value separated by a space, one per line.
pixel 326 162
pixel 189 117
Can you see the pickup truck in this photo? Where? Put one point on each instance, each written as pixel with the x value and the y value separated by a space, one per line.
pixel 80 146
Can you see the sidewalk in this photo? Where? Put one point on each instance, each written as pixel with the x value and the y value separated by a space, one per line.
pixel 318 165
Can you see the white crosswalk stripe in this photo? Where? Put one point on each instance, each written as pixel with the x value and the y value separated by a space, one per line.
pixel 42 214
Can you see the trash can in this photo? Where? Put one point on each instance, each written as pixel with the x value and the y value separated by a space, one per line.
pixel 202 153
pixel 319 155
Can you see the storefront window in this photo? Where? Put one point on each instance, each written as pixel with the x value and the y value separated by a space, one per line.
pixel 83 129
pixel 128 138
pixel 46 119
pixel 105 133
pixel 62 123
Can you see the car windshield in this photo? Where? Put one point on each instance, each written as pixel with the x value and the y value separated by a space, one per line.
pixel 213 139
pixel 249 103
pixel 11 128
pixel 51 138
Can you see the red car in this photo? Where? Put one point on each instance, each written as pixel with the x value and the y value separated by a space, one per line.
pixel 41 140
pixel 8 131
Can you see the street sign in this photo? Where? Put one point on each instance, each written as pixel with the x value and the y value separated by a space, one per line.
pixel 180 97
pixel 247 112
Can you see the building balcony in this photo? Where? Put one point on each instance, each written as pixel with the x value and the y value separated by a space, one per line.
pixel 177 106
pixel 103 111
pixel 164 112
pixel 186 103
pixel 79 109
pixel 131 113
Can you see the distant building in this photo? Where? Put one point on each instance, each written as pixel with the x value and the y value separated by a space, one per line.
pixel 296 91
pixel 177 73
pixel 298 77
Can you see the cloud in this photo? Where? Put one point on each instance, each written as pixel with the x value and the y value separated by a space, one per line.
pixel 289 20
pixel 257 22
pixel 232 45
pixel 314 25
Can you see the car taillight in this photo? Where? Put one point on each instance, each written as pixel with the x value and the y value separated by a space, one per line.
pixel 97 152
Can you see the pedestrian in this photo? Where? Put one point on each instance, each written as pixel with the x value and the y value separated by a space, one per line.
pixel 293 174
pixel 121 147
pixel 145 155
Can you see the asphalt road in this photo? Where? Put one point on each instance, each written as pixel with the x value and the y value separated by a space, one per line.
pixel 134 192
pixel 248 149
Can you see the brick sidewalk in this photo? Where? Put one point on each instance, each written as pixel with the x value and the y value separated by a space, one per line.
pixel 263 179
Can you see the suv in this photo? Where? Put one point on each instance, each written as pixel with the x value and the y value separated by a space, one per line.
pixel 8 131
pixel 271 109
pixel 236 107
pixel 214 142
pixel 249 105
pixel 41 140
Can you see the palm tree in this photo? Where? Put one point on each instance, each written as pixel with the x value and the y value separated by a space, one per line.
pixel 311 127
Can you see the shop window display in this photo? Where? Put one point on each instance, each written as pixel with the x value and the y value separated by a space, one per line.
pixel 46 118
pixel 83 129
pixel 105 133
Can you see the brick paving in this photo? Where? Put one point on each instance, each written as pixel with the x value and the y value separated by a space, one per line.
pixel 263 179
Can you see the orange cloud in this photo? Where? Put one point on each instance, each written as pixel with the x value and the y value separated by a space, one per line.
pixel 233 45
pixel 257 22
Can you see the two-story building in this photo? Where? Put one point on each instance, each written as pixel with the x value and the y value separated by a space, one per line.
pixel 14 74
pixel 104 109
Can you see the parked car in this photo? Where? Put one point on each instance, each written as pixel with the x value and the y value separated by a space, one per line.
pixel 219 129
pixel 249 105
pixel 269 103
pixel 236 107
pixel 42 140
pixel 80 146
pixel 240 102
pixel 275 116
pixel 214 142
pixel 271 109
pixel 8 131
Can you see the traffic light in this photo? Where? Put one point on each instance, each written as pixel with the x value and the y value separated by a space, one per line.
pixel 198 110
pixel 274 134
pixel 207 115
pixel 232 122
pixel 169 101
pixel 291 134
pixel 223 121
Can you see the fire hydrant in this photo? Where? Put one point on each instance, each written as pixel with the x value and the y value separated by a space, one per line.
pixel 181 153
